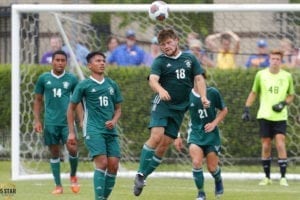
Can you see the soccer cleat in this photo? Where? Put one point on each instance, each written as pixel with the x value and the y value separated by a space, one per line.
pixel 201 196
pixel 265 181
pixel 58 190
pixel 219 189
pixel 75 187
pixel 139 183
pixel 283 182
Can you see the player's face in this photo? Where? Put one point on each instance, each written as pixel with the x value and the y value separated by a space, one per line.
pixel 275 60
pixel 169 47
pixel 59 63
pixel 97 64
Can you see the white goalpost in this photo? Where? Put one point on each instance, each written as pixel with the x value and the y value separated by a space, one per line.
pixel 29 38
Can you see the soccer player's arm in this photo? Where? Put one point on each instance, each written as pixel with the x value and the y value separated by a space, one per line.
pixel 117 114
pixel 223 110
pixel 200 84
pixel 37 105
pixel 74 101
pixel 291 91
pixel 156 87
pixel 71 119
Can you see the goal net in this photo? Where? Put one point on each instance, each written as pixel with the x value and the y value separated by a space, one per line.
pixel 91 25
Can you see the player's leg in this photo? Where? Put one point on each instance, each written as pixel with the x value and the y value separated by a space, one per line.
pixel 55 168
pixel 197 155
pixel 113 157
pixel 52 140
pixel 96 145
pixel 158 120
pixel 156 135
pixel 266 146
pixel 280 129
pixel 100 162
pixel 171 130
pixel 214 168
pixel 159 153
pixel 73 160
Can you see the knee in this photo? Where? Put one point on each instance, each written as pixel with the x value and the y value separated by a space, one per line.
pixel 113 169
pixel 197 163
pixel 211 168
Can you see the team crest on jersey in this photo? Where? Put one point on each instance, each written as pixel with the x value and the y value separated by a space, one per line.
pixel 66 84
pixel 111 91
pixel 188 63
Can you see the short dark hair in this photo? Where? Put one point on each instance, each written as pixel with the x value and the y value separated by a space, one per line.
pixel 165 34
pixel 59 52
pixel 94 53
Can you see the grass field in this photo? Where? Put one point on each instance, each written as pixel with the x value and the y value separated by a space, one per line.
pixel 156 189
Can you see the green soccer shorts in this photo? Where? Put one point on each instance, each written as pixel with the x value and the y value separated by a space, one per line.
pixel 55 134
pixel 170 119
pixel 103 144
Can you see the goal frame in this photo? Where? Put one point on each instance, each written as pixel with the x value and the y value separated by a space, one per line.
pixel 18 9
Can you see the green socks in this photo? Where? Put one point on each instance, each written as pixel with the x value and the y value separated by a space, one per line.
pixel 55 168
pixel 146 157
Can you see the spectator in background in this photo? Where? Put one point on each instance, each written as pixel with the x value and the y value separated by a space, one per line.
pixel 191 36
pixel 291 57
pixel 55 45
pixel 80 52
pixel 261 59
pixel 112 43
pixel 195 47
pixel 128 54
pixel 226 48
pixel 154 52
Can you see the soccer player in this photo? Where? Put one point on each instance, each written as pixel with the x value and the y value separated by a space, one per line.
pixel 204 139
pixel 275 90
pixel 172 77
pixel 55 89
pixel 102 99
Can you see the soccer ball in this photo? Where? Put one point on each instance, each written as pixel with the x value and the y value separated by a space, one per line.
pixel 159 10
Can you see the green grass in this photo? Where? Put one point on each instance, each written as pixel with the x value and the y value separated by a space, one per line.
pixel 156 189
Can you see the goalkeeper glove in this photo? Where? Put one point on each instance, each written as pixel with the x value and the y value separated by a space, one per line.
pixel 279 106
pixel 246 115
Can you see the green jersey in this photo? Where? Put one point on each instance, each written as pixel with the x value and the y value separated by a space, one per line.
pixel 99 100
pixel 57 91
pixel 177 77
pixel 272 88
pixel 201 116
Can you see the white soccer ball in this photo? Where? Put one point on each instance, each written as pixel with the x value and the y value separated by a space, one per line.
pixel 159 10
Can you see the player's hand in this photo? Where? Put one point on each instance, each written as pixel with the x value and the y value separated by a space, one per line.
pixel 246 115
pixel 38 127
pixel 110 124
pixel 279 106
pixel 164 95
pixel 178 144
pixel 72 138
pixel 205 102
pixel 209 127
